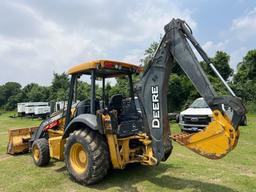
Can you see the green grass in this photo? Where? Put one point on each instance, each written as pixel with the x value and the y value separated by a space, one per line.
pixel 183 171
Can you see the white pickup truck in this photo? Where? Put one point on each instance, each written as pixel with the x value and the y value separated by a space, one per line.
pixel 198 116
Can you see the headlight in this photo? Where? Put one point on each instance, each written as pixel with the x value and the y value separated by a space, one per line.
pixel 210 116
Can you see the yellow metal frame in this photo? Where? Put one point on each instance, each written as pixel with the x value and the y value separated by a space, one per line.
pixel 121 154
pixel 56 146
pixel 120 151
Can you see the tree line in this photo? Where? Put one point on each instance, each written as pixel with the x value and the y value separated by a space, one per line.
pixel 181 92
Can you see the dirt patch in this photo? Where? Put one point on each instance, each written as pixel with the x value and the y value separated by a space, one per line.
pixel 4 157
pixel 215 180
pixel 248 174
pixel 245 171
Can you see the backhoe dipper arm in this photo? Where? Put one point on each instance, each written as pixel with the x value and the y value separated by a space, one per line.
pixel 153 87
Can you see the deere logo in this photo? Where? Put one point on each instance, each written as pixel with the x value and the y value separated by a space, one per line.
pixel 155 107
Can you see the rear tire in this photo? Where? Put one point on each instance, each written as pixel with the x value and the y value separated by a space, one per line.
pixel 86 156
pixel 40 152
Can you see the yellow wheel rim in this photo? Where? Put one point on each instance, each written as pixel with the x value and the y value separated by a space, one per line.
pixel 36 153
pixel 78 158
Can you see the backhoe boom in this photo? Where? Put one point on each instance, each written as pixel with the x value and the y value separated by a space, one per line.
pixel 221 133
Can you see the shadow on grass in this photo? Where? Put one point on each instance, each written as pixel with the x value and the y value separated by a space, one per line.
pixel 134 174
pixel 127 179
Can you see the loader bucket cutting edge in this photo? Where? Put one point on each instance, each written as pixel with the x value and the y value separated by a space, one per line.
pixel 18 140
pixel 215 141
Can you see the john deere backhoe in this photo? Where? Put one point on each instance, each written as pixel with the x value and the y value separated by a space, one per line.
pixel 91 138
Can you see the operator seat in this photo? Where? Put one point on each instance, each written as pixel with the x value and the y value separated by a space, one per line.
pixel 84 107
pixel 116 103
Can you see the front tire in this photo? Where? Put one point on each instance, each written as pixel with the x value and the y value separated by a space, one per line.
pixel 86 156
pixel 40 152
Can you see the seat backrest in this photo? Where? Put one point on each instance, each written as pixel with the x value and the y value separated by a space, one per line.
pixel 116 103
pixel 84 107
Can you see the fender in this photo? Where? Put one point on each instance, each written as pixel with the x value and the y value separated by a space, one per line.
pixel 86 120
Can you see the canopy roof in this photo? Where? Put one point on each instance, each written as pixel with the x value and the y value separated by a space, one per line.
pixel 105 68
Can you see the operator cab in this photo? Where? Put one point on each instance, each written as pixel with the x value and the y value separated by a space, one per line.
pixel 125 107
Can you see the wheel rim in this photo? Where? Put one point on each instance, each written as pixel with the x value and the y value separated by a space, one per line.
pixel 78 158
pixel 36 153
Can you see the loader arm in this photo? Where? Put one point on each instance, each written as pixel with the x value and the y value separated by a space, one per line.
pixel 221 135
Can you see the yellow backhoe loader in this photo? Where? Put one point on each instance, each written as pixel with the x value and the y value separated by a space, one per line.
pixel 92 136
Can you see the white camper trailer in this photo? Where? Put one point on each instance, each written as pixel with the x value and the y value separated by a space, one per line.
pixel 21 109
pixel 42 111
pixel 31 108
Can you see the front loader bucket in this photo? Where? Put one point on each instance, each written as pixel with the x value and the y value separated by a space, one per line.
pixel 215 141
pixel 18 140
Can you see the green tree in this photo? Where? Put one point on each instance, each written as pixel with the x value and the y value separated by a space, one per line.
pixel 83 91
pixel 36 93
pixel 8 94
pixel 244 82
pixel 2 96
pixel 221 62
pixel 59 87
pixel 121 87
pixel 150 51
pixel 250 61
pixel 246 70
pixel 10 89
pixel 12 101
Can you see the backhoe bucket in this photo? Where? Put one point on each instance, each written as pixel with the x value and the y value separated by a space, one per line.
pixel 18 140
pixel 215 141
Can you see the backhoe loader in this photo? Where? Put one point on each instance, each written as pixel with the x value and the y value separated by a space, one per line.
pixel 91 136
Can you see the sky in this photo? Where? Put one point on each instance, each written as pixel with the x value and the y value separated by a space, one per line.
pixel 38 38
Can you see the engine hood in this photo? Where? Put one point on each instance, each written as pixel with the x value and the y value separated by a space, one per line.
pixel 197 111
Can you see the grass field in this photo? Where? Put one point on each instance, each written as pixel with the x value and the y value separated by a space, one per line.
pixel 183 171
